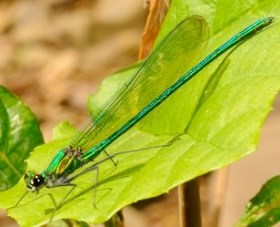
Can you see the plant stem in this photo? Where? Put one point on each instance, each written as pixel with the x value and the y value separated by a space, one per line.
pixel 189 204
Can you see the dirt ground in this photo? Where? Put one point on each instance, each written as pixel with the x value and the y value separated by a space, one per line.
pixel 55 53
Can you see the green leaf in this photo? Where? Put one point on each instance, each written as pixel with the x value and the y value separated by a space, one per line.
pixel 264 208
pixel 19 134
pixel 214 120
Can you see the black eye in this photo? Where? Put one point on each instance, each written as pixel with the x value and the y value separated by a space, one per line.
pixel 37 181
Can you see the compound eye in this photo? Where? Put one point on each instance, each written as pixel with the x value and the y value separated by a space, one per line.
pixel 37 181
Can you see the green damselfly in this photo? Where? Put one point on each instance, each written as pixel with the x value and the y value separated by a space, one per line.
pixel 119 113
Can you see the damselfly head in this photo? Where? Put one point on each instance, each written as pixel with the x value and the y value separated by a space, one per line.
pixel 33 181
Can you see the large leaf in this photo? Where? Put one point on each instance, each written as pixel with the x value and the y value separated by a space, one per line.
pixel 19 134
pixel 216 119
pixel 264 208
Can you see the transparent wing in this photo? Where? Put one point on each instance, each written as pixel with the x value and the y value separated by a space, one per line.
pixel 174 56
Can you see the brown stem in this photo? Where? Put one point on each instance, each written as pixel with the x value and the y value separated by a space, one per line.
pixel 189 204
pixel 115 221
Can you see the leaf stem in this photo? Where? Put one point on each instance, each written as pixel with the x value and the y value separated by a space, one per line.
pixel 189 204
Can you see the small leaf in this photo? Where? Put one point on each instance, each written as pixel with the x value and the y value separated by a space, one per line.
pixel 19 134
pixel 264 208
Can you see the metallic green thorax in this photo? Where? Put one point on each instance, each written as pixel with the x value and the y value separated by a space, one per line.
pixel 65 162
